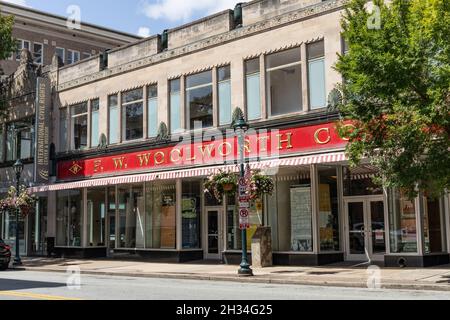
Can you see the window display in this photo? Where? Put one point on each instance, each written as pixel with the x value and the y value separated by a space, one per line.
pixel 69 218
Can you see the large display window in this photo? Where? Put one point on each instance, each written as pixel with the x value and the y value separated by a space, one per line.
pixel 190 213
pixel 69 218
pixel 96 217
pixel 131 216
pixel 433 225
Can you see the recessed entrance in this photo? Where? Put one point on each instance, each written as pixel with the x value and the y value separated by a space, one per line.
pixel 213 242
pixel 365 229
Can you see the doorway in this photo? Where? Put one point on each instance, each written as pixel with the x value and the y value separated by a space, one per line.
pixel 365 229
pixel 214 230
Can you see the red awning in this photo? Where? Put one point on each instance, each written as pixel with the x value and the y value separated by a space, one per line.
pixel 194 172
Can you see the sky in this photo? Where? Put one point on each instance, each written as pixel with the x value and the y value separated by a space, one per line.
pixel 142 17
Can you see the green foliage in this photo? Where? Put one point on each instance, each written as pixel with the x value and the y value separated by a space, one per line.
pixel 396 92
pixel 221 183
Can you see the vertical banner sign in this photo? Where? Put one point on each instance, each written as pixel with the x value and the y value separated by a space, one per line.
pixel 42 131
pixel 244 204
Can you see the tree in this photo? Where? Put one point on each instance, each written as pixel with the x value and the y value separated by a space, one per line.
pixel 7 46
pixel 396 91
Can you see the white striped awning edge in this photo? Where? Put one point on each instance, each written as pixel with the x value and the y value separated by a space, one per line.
pixel 190 173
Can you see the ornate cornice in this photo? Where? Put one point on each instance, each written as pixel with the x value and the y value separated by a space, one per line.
pixel 266 25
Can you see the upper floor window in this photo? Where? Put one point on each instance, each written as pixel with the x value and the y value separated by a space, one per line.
pixel 73 56
pixel 152 111
pixel 60 52
pixel 114 119
pixel 199 100
pixel 284 82
pixel 132 115
pixel 253 89
pixel 38 52
pixel 175 105
pixel 79 126
pixel 224 79
pixel 21 44
pixel 316 75
pixel 20 140
pixel 95 122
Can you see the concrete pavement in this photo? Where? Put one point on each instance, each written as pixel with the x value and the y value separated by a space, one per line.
pixel 338 275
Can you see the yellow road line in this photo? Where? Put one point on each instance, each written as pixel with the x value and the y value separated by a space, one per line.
pixel 33 295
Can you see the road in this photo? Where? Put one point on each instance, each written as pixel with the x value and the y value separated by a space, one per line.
pixel 30 285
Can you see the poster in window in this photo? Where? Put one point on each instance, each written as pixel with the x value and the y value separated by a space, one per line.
pixel 301 219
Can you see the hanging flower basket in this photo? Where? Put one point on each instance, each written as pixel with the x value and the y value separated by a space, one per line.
pixel 260 185
pixel 220 184
pixel 22 200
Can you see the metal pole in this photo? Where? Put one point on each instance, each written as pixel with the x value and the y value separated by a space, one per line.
pixel 245 269
pixel 17 260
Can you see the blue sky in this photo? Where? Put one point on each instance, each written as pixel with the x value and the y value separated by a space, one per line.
pixel 146 17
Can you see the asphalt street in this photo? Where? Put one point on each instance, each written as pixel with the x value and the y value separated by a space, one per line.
pixel 29 285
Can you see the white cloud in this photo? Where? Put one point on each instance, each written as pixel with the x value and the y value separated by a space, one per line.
pixel 183 10
pixel 18 2
pixel 143 32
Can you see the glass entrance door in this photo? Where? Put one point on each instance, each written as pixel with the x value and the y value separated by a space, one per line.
pixel 366 229
pixel 213 245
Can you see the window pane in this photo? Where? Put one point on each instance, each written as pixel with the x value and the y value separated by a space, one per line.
pixel 60 53
pixel 132 120
pixel 37 51
pixel 175 112
pixel 317 93
pixel 79 108
pixel 131 215
pixel 284 90
pixel 283 58
pixel 199 79
pixel 69 218
pixel 132 95
pixel 328 210
pixel 199 107
pixel 253 97
pixel 252 66
pixel 152 121
pixel 175 85
pixel 316 50
pixel 224 73
pixel 191 203
pixel 225 102
pixel 96 207
pixel 11 153
pixel 402 223
pixel 95 118
pixel 79 125
pixel 160 210
pixel 432 226
pixel 114 132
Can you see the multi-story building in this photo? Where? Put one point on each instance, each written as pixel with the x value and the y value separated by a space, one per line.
pixel 124 184
pixel 45 35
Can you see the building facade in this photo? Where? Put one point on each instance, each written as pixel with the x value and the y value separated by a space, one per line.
pixel 137 134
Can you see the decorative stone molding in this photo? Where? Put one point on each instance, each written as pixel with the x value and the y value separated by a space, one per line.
pixel 272 23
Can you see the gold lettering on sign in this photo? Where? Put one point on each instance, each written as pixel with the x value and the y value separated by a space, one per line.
pixel 97 165
pixel 287 140
pixel 172 158
pixel 144 159
pixel 161 157
pixel 317 136
pixel 247 146
pixel 228 147
pixel 189 152
pixel 206 150
pixel 348 126
pixel 119 163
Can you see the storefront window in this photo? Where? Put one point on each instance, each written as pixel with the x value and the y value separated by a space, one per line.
pixel 284 81
pixel 328 209
pixel 69 218
pixel 402 223
pixel 191 212
pixel 359 182
pixel 131 216
pixel 79 123
pixel 160 210
pixel 96 212
pixel 152 111
pixel 199 100
pixel 433 226
pixel 8 231
pixel 291 210
pixel 132 115
pixel 95 122
pixel 114 121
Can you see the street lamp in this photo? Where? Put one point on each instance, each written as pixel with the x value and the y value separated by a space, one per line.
pixel 240 126
pixel 18 168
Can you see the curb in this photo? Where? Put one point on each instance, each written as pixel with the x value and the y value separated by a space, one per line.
pixel 255 279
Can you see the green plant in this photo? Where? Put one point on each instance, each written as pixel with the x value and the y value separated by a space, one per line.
pixel 260 185
pixel 13 201
pixel 221 183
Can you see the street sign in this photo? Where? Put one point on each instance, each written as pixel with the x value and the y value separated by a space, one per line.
pixel 243 213
pixel 244 222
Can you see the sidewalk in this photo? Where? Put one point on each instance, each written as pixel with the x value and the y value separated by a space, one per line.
pixel 342 275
